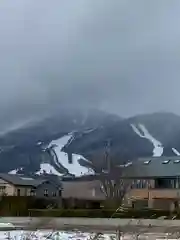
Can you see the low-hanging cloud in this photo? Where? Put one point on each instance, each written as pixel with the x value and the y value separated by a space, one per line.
pixel 121 55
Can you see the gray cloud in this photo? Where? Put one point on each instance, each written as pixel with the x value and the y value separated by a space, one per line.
pixel 120 55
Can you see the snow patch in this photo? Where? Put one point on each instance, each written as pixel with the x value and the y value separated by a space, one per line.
pixel 176 151
pixel 126 164
pixel 15 171
pixel 74 166
pixel 48 168
pixel 61 142
pixel 48 234
pixel 144 133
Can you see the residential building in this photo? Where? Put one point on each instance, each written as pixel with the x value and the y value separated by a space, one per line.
pixel 155 183
pixel 82 194
pixel 20 185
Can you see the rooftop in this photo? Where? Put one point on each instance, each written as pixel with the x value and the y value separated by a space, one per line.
pixel 21 180
pixel 152 167
pixel 87 190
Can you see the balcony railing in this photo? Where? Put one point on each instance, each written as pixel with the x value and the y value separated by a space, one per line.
pixel 155 193
pixel 164 193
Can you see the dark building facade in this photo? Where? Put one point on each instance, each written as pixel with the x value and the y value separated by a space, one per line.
pixel 155 183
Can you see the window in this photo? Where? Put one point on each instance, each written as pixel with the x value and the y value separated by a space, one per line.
pixel 178 182
pixel 147 162
pixel 54 194
pixel 177 161
pixel 32 192
pixel 2 189
pixel 18 192
pixel 45 192
pixel 93 192
pixel 165 183
pixel 165 161
pixel 128 164
pixel 139 183
pixel 60 192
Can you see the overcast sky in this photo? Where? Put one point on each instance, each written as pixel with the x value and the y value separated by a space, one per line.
pixel 120 55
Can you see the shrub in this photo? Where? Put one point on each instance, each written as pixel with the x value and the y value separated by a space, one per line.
pixel 19 205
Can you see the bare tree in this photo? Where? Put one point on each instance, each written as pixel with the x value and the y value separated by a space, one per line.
pixel 114 183
pixel 115 186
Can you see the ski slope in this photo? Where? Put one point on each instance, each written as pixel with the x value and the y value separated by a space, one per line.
pixel 62 157
pixel 142 131
pixel 49 169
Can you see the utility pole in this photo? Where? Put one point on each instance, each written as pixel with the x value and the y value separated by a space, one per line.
pixel 107 155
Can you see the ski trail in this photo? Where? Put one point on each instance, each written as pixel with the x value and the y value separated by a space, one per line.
pixel 136 130
pixel 61 157
pixel 158 148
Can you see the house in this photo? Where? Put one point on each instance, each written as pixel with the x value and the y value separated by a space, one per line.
pixel 82 194
pixel 20 185
pixel 155 183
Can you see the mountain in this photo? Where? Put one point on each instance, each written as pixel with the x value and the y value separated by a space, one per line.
pixel 24 149
pixel 75 142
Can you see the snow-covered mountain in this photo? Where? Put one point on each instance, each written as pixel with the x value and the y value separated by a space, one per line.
pixel 75 143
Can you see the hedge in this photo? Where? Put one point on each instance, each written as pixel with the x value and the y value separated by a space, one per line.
pixel 96 213
pixel 29 206
pixel 18 206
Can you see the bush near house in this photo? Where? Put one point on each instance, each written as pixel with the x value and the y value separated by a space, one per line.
pixel 18 206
